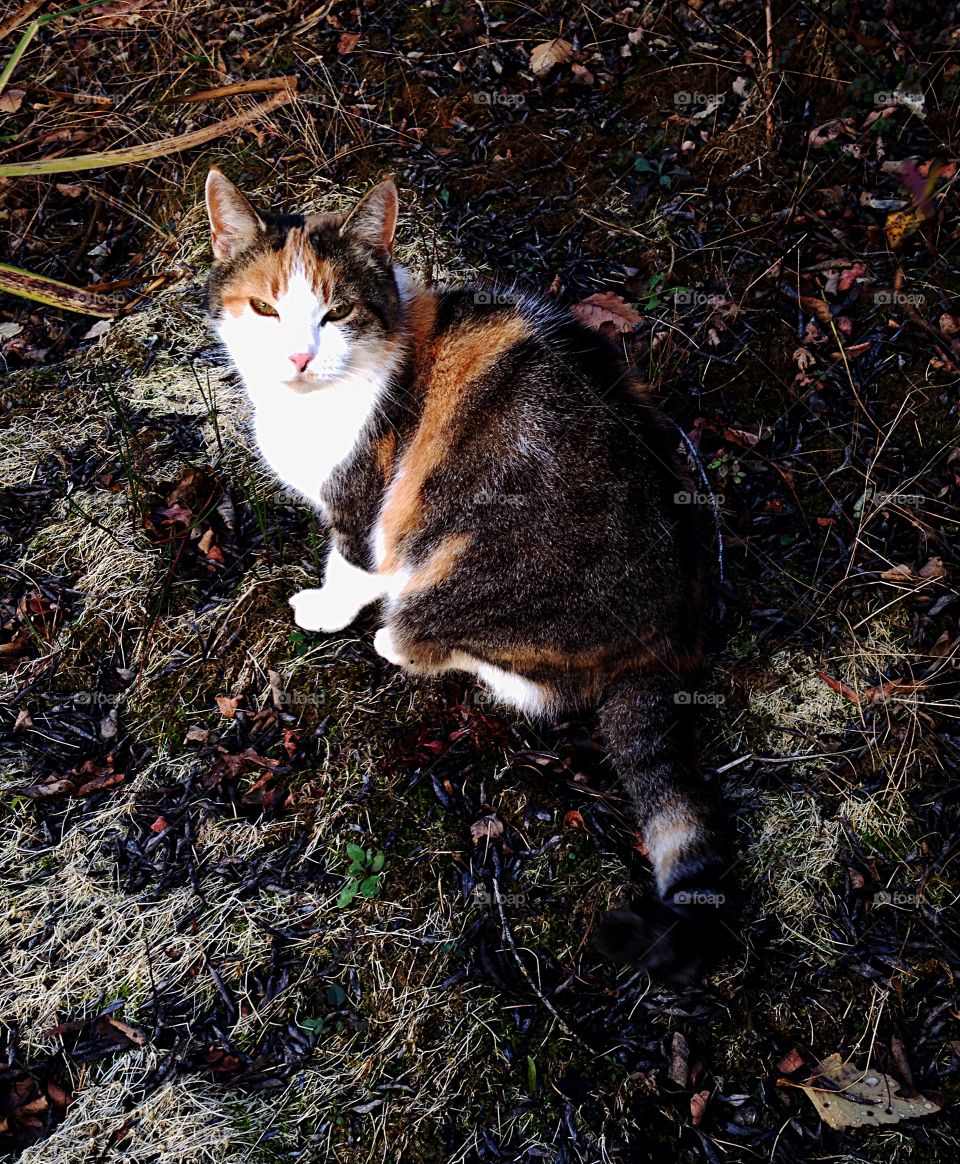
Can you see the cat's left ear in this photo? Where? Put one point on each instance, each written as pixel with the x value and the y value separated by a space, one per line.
pixel 234 224
pixel 374 218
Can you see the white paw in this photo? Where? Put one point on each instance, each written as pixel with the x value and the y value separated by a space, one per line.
pixel 322 610
pixel 384 645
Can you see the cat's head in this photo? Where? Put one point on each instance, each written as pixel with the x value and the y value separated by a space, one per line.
pixel 302 301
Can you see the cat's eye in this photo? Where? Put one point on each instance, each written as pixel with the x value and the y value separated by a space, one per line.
pixel 262 308
pixel 338 311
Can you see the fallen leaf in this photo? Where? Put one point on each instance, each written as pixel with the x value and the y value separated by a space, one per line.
pixel 552 52
pixel 698 1105
pixel 817 307
pixel 790 1062
pixel 227 706
pixel 944 647
pixel 740 436
pixel 930 572
pixel 830 130
pixel 49 788
pixel 17 646
pixel 678 1066
pixel 850 1098
pixel 99 783
pixel 137 1037
pixel 850 276
pixel 176 514
pixel 197 735
pixel 347 42
pixel 606 309
pixel 11 100
pixel 901 224
pixel 487 828
pixel 101 327
pixel 895 688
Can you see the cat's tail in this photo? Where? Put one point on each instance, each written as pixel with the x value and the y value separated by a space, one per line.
pixel 649 723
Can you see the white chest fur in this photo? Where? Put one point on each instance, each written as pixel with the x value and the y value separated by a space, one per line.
pixel 304 437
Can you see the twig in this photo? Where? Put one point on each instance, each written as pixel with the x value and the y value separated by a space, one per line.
pixel 508 938
pixel 15 19
pixel 768 10
pixel 263 85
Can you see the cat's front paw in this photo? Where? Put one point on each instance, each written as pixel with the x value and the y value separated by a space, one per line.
pixel 322 610
pixel 386 647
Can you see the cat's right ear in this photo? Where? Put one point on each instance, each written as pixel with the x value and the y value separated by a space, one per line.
pixel 234 224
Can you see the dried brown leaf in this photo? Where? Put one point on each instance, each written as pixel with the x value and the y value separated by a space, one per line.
pixel 487 828
pixel 544 56
pixel 607 308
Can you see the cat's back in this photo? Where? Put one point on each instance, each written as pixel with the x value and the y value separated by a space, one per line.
pixel 513 370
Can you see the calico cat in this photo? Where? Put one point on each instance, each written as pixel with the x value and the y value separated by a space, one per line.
pixel 491 474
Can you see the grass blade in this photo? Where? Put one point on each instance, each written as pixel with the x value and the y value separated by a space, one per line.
pixel 145 153
pixel 18 53
pixel 52 293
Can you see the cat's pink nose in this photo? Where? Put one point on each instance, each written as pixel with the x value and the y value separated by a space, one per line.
pixel 301 359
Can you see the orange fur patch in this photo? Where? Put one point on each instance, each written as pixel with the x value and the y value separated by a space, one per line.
pixel 267 275
pixel 455 363
pixel 670 835
pixel 439 565
pixel 386 453
pixel 421 316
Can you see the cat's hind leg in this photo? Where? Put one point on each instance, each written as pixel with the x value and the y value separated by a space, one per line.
pixel 346 590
